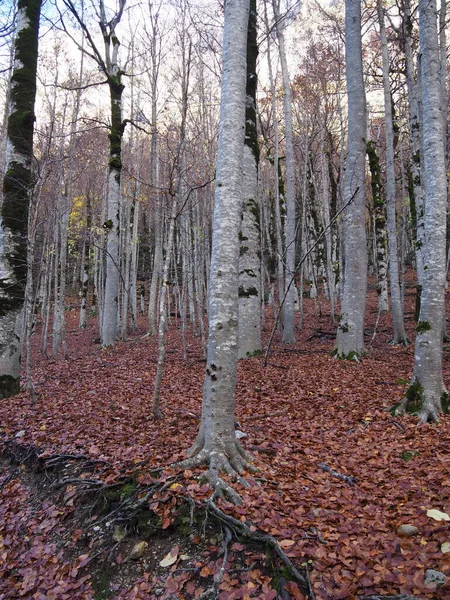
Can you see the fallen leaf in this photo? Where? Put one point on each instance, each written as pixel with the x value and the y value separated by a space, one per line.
pixel 286 543
pixel 437 515
pixel 169 560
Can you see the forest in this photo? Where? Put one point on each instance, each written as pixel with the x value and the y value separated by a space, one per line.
pixel 223 319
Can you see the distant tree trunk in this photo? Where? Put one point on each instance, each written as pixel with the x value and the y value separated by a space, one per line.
pixel 415 187
pixel 379 217
pixel 108 64
pixel 216 442
pixel 427 388
pixel 396 299
pixel 290 225
pixel 277 183
pixel 86 264
pixel 249 260
pixel 163 310
pixel 17 189
pixel 157 217
pixel 350 334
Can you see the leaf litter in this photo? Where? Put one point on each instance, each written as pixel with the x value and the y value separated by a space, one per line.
pixel 302 412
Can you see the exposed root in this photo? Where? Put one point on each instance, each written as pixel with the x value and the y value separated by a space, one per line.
pixel 243 530
pixel 233 463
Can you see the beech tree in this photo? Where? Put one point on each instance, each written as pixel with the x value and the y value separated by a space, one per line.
pixel 427 389
pixel 108 64
pixel 249 260
pixel 290 228
pixel 350 334
pixel 397 307
pixel 17 189
pixel 216 443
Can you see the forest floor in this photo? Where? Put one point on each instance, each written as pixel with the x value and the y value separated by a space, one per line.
pixel 89 509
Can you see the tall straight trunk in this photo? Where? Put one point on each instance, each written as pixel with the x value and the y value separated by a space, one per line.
pixel 428 385
pixel 157 217
pixel 108 64
pixel 443 67
pixel 216 442
pixel 290 224
pixel 112 224
pixel 350 334
pixel 396 299
pixel 17 189
pixel 416 191
pixel 278 197
pixel 379 218
pixel 179 195
pixel 249 260
pixel 163 310
pixel 86 264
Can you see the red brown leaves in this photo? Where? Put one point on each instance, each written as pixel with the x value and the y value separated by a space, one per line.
pixel 305 408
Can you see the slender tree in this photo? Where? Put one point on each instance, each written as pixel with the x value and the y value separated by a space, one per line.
pixel 216 442
pixel 108 64
pixel 397 306
pixel 290 228
pixel 350 334
pixel 17 190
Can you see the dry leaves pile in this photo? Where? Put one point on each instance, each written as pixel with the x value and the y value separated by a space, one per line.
pixel 338 474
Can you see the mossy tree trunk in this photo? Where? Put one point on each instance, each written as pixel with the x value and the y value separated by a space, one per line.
pixel 379 217
pixel 415 187
pixel 108 64
pixel 249 259
pixel 17 189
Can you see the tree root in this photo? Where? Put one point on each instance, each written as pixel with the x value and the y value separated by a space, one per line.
pixel 427 414
pixel 232 463
pixel 257 536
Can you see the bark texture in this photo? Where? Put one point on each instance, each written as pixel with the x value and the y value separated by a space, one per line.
pixel 216 442
pixel 249 260
pixel 427 388
pixel 396 299
pixel 350 334
pixel 17 189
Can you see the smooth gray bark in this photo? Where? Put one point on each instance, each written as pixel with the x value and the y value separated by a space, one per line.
pixel 350 334
pixel 216 442
pixel 427 387
pixel 396 299
pixel 290 224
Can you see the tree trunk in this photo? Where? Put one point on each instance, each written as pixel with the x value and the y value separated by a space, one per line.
pixel 379 217
pixel 415 186
pixel 396 299
pixel 249 260
pixel 17 188
pixel 290 224
pixel 427 388
pixel 216 442
pixel 112 224
pixel 350 334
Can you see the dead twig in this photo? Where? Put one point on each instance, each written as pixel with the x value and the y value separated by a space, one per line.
pixel 277 413
pixel 347 478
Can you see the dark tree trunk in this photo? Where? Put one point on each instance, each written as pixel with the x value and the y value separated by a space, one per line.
pixel 17 188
